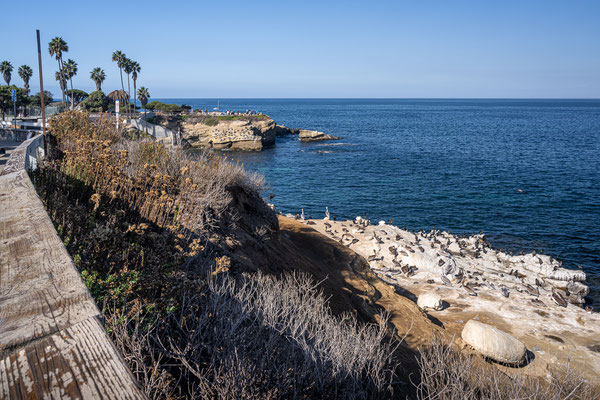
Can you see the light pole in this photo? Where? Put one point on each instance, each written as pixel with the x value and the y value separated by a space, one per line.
pixel 14 99
pixel 37 32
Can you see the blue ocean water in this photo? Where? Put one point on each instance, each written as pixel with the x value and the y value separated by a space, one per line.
pixel 525 172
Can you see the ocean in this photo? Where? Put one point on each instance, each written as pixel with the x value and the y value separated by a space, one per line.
pixel 525 172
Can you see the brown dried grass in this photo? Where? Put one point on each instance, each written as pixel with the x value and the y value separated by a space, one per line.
pixel 447 374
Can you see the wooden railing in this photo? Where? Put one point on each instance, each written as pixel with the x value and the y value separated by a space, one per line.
pixel 52 341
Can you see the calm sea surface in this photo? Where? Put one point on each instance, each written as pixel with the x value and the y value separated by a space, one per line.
pixel 525 172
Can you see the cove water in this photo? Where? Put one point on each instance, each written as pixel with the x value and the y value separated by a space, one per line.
pixel 525 172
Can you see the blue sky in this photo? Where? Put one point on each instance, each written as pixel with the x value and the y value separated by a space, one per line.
pixel 221 49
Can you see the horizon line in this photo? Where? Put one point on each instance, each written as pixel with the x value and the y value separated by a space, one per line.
pixel 382 98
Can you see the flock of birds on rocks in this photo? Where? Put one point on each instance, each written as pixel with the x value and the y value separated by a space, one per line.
pixel 466 263
pixel 229 135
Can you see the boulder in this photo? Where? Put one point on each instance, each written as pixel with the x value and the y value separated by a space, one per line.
pixel 430 301
pixel 493 343
pixel 315 136
pixel 576 292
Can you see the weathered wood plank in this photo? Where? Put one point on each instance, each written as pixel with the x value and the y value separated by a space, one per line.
pixel 77 362
pixel 41 292
pixel 52 344
pixel 16 162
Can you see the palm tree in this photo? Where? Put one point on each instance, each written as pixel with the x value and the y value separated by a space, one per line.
pixel 128 68
pixel 135 70
pixel 143 95
pixel 120 58
pixel 70 72
pixel 6 70
pixel 98 76
pixel 57 47
pixel 25 72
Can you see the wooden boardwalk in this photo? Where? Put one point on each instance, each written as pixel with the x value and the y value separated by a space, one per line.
pixel 52 342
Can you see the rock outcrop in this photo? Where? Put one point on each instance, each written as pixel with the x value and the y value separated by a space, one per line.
pixel 245 132
pixel 315 136
pixel 493 343
pixel 249 134
pixel 529 295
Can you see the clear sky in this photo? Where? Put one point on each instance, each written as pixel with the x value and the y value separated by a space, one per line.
pixel 221 49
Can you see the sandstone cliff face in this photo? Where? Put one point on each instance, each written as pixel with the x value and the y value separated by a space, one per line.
pixel 237 134
pixel 241 133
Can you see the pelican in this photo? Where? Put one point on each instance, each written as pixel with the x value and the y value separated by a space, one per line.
pixel 445 280
pixel 558 298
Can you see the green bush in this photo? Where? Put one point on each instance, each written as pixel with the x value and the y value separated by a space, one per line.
pixel 211 121
pixel 167 108
pixel 96 101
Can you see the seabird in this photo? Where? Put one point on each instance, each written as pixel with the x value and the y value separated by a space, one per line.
pixel 559 298
pixel 538 283
pixel 538 301
pixel 469 289
pixel 445 280
pixel 531 290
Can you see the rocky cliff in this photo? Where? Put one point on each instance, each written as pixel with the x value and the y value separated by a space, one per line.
pixel 249 133
pixel 530 296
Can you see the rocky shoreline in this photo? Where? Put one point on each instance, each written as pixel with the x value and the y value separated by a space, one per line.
pixel 458 279
pixel 245 133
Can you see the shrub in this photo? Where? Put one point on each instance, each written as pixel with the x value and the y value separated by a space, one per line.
pixel 96 101
pixel 166 108
pixel 448 374
pixel 125 206
pixel 211 121
pixel 258 337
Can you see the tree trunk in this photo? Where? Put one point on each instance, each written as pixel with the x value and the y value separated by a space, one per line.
pixel 122 86
pixel 134 97
pixel 129 94
pixel 72 95
pixel 60 71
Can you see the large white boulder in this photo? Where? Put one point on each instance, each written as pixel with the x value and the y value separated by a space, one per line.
pixel 493 343
pixel 430 301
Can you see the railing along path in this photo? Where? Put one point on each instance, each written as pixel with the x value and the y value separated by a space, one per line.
pixel 52 341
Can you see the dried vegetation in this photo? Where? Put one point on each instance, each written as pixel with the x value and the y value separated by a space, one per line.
pixel 137 219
